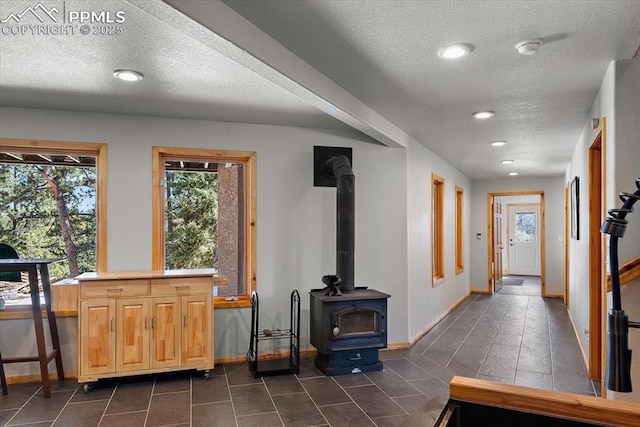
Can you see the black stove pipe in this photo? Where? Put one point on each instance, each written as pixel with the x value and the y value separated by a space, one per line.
pixel 340 167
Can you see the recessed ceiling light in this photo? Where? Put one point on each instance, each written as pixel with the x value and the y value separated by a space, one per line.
pixel 506 162
pixel 455 51
pixel 498 143
pixel 483 114
pixel 128 75
pixel 513 173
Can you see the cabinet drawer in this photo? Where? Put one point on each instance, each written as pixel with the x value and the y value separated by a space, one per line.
pixel 114 288
pixel 181 286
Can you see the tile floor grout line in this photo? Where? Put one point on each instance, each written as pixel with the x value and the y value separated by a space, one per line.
pixel 146 417
pixel 22 407
pixel 312 401
pixel 353 400
pixel 233 407
pixel 493 338
pixel 65 406
pixel 553 368
pixel 447 328
pixel 191 400
pixel 468 333
pixel 264 384
pixel 515 374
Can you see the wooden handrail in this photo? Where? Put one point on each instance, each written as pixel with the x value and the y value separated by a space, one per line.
pixel 546 402
pixel 629 271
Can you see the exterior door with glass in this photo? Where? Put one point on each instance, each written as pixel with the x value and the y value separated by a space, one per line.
pixel 524 240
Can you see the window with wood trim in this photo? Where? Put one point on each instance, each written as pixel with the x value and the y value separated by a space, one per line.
pixel 204 210
pixel 437 229
pixel 53 198
pixel 459 230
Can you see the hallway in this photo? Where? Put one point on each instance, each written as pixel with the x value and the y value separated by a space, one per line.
pixel 516 339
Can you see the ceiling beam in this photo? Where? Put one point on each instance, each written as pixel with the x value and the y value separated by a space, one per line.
pixel 221 28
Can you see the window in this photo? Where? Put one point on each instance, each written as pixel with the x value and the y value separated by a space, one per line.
pixel 437 229
pixel 459 230
pixel 204 210
pixel 525 227
pixel 53 198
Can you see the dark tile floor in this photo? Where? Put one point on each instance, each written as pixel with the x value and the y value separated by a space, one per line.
pixel 521 339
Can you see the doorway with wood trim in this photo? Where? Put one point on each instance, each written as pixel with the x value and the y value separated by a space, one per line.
pixel 597 272
pixel 497 220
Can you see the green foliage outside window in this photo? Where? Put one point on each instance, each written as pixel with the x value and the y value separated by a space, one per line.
pixel 191 219
pixel 50 212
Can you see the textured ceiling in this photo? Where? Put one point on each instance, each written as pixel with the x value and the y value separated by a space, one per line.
pixel 384 53
pixel 183 77
pixel 381 52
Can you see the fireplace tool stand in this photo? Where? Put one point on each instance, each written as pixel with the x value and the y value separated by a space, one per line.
pixel 290 365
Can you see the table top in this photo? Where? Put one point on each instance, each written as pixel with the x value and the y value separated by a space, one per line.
pixel 27 262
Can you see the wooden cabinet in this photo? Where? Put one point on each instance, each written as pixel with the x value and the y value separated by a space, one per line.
pixel 144 322
pixel 96 337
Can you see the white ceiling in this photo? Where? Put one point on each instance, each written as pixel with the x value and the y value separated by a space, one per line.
pixel 373 65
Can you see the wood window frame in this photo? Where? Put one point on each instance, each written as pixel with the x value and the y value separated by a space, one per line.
pixel 248 159
pixel 437 228
pixel 459 229
pixel 95 149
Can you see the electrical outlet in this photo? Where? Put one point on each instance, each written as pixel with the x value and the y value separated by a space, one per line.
pixel 585 331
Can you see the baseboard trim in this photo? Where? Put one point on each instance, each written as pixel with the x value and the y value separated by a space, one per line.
pixel 575 331
pixel 422 332
pixel 554 296
pixel 398 345
pixel 480 291
pixel 36 378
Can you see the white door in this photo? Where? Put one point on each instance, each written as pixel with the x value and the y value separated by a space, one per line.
pixel 524 240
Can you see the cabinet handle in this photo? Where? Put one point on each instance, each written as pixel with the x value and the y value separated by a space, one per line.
pixel 111 324
pixel 184 320
pixel 153 321
pixel 145 322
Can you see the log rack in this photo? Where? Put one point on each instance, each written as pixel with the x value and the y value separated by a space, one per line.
pixel 290 365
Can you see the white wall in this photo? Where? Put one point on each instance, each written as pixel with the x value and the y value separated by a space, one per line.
pixel 627 150
pixel 295 221
pixel 579 249
pixel 426 303
pixel 553 189
pixel 627 168
pixel 618 101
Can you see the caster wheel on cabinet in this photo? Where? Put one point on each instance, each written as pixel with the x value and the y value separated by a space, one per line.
pixel 87 388
pixel 207 374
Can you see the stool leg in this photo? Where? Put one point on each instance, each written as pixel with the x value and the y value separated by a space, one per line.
pixel 51 317
pixel 37 321
pixel 3 379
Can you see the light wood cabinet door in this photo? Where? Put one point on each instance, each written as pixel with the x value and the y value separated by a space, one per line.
pixel 196 330
pixel 97 337
pixel 165 332
pixel 132 343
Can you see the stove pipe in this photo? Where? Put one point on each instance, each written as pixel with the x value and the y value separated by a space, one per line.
pixel 340 168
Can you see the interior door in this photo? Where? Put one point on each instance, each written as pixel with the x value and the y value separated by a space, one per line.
pixel 524 240
pixel 498 245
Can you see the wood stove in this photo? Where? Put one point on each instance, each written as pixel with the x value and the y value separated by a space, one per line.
pixel 348 330
pixel 348 324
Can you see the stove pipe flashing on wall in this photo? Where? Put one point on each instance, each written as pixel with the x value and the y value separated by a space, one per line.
pixel 340 167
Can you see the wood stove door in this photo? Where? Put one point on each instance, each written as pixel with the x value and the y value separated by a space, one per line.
pixel 357 321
